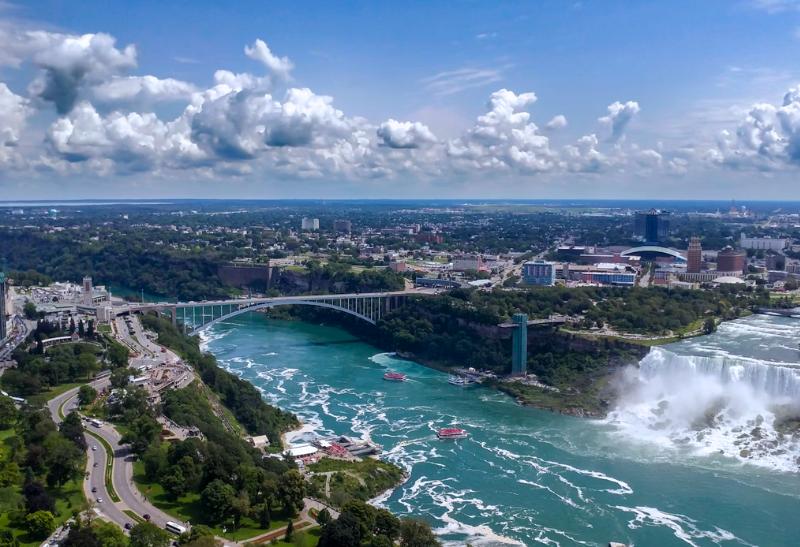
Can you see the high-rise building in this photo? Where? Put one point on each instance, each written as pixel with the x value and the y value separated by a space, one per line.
pixel 652 226
pixel 731 260
pixel 342 226
pixel 310 224
pixel 3 312
pixel 87 291
pixel 694 256
pixel 539 272
pixel 519 348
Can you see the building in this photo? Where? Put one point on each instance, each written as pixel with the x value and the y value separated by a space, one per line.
pixel 731 260
pixel 539 272
pixel 774 261
pixel 3 311
pixel 310 224
pixel 429 237
pixel 519 348
pixel 694 256
pixel 599 277
pixel 464 263
pixel 433 283
pixel 344 226
pixel 397 265
pixel 652 226
pixel 762 243
pixel 87 291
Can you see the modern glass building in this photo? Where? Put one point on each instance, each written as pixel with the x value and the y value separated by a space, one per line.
pixel 539 272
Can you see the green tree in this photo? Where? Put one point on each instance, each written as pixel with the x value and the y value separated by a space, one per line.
pixel 72 428
pixel 216 500
pixel 40 524
pixel 342 532
pixel 386 524
pixel 417 533
pixel 7 539
pixel 29 309
pixel 292 490
pixel 109 534
pixel 86 395
pixel 8 412
pixel 289 531
pixel 146 534
pixel 323 517
pixel 118 354
pixel 142 432
pixel 64 460
pixel 120 377
pixel 81 328
pixel 174 483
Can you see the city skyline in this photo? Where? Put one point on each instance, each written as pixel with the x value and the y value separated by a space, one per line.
pixel 379 101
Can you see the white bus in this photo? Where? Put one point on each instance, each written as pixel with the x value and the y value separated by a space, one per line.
pixel 174 528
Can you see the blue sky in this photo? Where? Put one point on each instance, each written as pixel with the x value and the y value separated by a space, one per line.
pixel 682 73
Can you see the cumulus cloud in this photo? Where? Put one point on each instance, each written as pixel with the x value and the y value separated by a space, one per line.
pixel 147 89
pixel 618 118
pixel 69 62
pixel 395 134
pixel 259 51
pixel 557 122
pixel 767 139
pixel 14 112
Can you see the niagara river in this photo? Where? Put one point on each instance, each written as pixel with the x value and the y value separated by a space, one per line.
pixel 695 452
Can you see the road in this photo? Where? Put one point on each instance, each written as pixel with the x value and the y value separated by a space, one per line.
pixel 122 471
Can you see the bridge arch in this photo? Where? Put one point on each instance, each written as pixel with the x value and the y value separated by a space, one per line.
pixel 649 251
pixel 273 304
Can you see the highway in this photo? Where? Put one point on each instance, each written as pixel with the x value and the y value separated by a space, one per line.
pixel 122 471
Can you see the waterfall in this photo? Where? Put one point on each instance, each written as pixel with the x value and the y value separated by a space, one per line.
pixel 780 381
pixel 713 405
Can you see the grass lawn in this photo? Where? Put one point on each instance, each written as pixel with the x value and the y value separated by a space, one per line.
pixel 308 538
pixel 69 498
pixel 188 509
pixel 41 398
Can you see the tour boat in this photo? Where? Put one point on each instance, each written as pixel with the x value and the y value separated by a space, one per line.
pixel 460 380
pixel 451 433
pixel 395 377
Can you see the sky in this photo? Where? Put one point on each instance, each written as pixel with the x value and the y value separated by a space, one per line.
pixel 538 99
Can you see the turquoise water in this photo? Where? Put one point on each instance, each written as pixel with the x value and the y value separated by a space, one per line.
pixel 524 476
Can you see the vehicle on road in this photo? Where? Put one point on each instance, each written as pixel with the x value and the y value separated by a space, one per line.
pixel 94 464
pixel 174 527
pixel 99 500
pixel 94 489
pixel 128 526
pixel 146 516
pixel 94 447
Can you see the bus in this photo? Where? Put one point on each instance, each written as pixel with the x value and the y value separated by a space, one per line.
pixel 174 528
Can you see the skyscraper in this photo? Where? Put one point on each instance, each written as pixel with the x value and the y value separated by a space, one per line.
pixel 652 226
pixel 694 256
pixel 87 291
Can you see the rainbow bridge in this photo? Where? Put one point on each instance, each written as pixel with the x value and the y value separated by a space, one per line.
pixel 196 316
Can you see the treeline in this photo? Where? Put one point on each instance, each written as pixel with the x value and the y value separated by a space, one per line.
pixel 41 466
pixel 239 396
pixel 338 277
pixel 133 261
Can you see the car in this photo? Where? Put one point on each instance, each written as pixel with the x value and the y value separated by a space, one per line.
pixel 128 526
pixel 99 500
pixel 146 516
pixel 94 447
pixel 94 464
pixel 94 489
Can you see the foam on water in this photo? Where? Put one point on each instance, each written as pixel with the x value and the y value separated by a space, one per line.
pixel 699 398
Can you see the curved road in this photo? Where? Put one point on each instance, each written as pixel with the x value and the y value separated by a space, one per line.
pixel 122 471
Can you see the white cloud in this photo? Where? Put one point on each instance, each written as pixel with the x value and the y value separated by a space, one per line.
pixel 767 139
pixel 259 51
pixel 454 81
pixel 14 112
pixel 395 134
pixel 145 89
pixel 557 122
pixel 776 6
pixel 619 116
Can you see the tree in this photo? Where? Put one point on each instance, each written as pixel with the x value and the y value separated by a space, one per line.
pixel 81 328
pixel 709 326
pixel 90 329
pixel 216 500
pixel 72 428
pixel 37 498
pixel 118 354
pixel 142 432
pixel 40 524
pixel 324 517
pixel 29 309
pixel 7 539
pixel 174 483
pixel 196 536
pixel 417 533
pixel 292 490
pixel 63 459
pixel 146 534
pixel 342 532
pixel 363 513
pixel 86 395
pixel 386 524
pixel 289 531
pixel 8 412
pixel 120 377
pixel 110 535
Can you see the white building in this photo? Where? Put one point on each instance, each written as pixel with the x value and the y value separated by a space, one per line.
pixel 762 243
pixel 310 224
